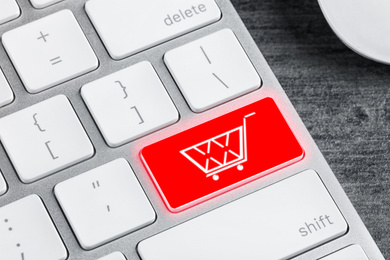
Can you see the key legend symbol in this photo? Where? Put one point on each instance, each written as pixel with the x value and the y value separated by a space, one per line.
pixel 41 129
pixel 17 244
pixel 37 124
pixel 96 184
pixel 139 115
pixel 209 61
pixel 126 96
pixel 230 158
pixel 55 60
pixel 50 151
pixel 123 87
pixel 43 36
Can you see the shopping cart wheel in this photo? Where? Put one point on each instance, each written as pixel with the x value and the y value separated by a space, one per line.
pixel 215 177
pixel 240 167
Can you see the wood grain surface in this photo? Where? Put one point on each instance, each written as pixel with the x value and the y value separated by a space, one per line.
pixel 343 99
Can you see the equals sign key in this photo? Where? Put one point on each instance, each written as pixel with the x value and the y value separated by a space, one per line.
pixel 55 60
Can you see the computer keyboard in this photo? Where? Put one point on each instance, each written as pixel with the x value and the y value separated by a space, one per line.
pixel 156 130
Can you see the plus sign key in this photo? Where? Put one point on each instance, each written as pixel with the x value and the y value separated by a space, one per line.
pixel 49 51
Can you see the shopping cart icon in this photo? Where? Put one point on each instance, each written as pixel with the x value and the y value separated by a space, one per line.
pixel 232 150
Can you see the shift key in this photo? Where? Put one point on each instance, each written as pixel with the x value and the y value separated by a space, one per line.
pixel 277 222
pixel 127 27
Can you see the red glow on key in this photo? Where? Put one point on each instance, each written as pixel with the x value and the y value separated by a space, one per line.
pixel 209 159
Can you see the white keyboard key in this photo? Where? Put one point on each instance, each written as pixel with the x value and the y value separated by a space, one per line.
pixel 354 252
pixel 43 3
pixel 212 70
pixel 6 94
pixel 27 232
pixel 129 103
pixel 44 138
pixel 113 256
pixel 3 185
pixel 298 212
pixel 104 203
pixel 9 10
pixel 49 51
pixel 127 27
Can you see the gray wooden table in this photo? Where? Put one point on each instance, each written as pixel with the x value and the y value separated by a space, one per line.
pixel 343 99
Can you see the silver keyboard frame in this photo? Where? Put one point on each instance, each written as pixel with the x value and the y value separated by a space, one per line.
pixel 357 233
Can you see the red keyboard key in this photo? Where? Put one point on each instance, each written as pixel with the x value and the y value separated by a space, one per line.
pixel 219 155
